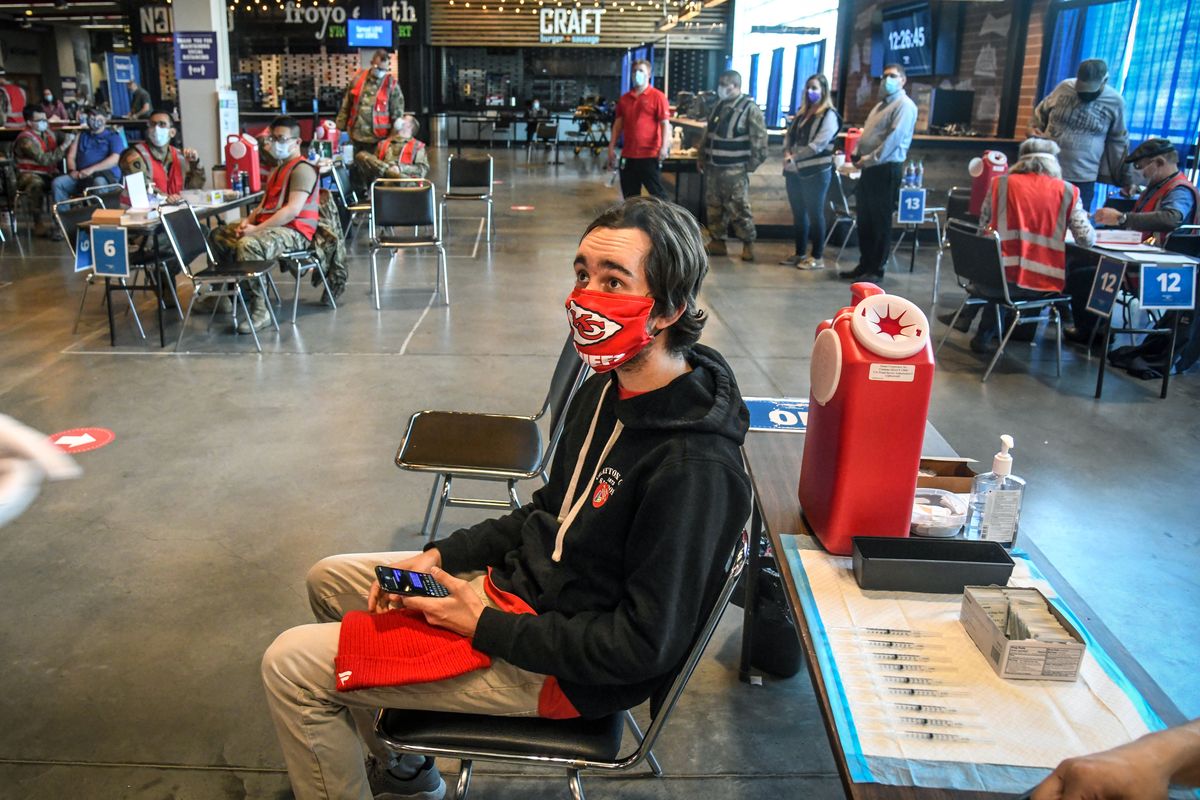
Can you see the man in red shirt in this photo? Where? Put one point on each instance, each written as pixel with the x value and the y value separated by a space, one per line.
pixel 642 115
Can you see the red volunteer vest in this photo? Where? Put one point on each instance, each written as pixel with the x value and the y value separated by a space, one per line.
pixel 1149 201
pixel 1030 214
pixel 407 154
pixel 166 182
pixel 48 144
pixel 379 117
pixel 277 183
pixel 16 104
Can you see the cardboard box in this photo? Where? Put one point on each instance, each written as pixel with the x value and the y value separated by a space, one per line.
pixel 1029 659
pixel 950 474
pixel 107 216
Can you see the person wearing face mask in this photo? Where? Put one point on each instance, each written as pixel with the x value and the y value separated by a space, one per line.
pixel 401 155
pixel 91 159
pixel 807 169
pixel 880 154
pixel 643 119
pixel 1168 201
pixel 37 154
pixel 372 103
pixel 734 146
pixel 54 108
pixel 139 101
pixel 284 221
pixel 595 588
pixel 1086 117
pixel 534 114
pixel 161 162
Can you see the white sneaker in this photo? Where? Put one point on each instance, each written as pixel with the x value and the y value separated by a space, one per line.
pixel 810 263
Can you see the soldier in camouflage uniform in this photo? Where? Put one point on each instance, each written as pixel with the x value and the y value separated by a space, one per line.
pixel 156 159
pixel 734 145
pixel 331 248
pixel 373 101
pixel 399 156
pixel 286 220
pixel 37 155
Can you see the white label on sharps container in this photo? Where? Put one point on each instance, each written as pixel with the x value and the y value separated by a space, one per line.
pixel 900 373
pixel 1000 513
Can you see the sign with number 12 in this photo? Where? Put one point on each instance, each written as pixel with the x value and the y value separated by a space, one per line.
pixel 1168 287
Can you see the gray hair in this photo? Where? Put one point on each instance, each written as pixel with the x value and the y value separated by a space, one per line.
pixel 1038 157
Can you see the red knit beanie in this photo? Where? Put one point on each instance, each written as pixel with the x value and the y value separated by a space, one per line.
pixel 399 648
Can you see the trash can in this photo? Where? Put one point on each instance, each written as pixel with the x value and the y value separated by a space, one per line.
pixel 438 133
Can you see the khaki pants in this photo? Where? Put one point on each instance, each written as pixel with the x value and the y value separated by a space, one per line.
pixel 322 730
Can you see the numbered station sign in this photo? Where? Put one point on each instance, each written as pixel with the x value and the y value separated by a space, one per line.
pixel 1168 287
pixel 1106 284
pixel 912 206
pixel 110 251
pixel 788 414
pixel 83 250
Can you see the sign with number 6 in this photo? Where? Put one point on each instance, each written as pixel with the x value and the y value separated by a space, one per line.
pixel 110 248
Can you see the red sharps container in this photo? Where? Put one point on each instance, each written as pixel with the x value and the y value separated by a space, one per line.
pixel 872 373
pixel 241 155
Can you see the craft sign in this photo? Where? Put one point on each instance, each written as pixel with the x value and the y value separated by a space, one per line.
pixel 570 25
pixel 777 413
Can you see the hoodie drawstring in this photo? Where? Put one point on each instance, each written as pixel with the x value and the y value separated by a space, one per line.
pixel 565 516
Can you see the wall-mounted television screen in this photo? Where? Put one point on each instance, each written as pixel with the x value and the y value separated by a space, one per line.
pixel 369 33
pixel 908 37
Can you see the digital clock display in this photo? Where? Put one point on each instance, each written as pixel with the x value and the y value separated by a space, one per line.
pixel 908 38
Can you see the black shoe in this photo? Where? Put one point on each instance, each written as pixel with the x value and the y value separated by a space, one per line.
pixel 1076 336
pixel 870 277
pixel 850 275
pixel 962 324
pixel 984 346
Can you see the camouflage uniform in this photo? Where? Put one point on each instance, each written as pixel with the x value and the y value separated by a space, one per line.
pixel 330 246
pixel 367 167
pixel 265 245
pixel 360 120
pixel 131 161
pixel 34 184
pixel 734 146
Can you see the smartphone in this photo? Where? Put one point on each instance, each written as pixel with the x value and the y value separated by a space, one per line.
pixel 406 582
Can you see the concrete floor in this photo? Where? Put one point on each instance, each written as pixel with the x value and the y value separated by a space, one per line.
pixel 142 595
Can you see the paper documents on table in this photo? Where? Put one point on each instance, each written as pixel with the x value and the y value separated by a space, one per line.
pixel 955 709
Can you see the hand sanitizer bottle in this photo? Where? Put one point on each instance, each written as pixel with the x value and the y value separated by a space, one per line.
pixel 996 496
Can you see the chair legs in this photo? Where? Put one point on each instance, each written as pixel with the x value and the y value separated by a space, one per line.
pixel 636 731
pixel 86 285
pixel 375 278
pixel 464 780
pixel 576 784
pixel 438 506
pixel 443 276
pixel 512 494
pixel 950 327
pixel 491 226
pixel 1004 341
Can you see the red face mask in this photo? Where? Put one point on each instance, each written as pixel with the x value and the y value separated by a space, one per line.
pixel 609 329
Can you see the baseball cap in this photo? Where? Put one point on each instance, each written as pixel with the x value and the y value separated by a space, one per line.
pixel 1091 75
pixel 1149 149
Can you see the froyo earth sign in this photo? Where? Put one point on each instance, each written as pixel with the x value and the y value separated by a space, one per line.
pixel 330 21
pixel 570 25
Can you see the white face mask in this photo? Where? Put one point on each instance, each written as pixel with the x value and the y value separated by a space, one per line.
pixel 379 72
pixel 42 125
pixel 403 131
pixel 536 106
pixel 724 92
pixel 281 151
pixel 160 136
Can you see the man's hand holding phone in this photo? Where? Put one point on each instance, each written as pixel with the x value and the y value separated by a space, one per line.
pixel 460 612
pixel 379 601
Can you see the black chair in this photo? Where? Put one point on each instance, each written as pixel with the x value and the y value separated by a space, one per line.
pixel 406 203
pixel 469 178
pixel 109 194
pixel 979 269
pixel 1185 239
pixel 574 744
pixel 958 206
pixel 69 215
pixel 839 204
pixel 300 263
pixel 548 133
pixel 352 210
pixel 190 245
pixel 487 447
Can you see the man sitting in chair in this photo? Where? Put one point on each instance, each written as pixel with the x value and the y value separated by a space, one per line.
pixel 284 221
pixel 401 155
pixel 594 590
pixel 38 153
pixel 161 162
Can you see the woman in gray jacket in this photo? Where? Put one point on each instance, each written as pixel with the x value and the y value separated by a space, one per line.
pixel 807 167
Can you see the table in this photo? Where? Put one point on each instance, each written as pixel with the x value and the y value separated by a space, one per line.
pixel 694 194
pixel 773 462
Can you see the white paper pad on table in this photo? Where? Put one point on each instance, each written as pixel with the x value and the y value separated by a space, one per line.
pixel 1129 248
pixel 1018 723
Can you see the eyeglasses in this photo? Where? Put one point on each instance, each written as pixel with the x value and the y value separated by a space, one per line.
pixel 282 139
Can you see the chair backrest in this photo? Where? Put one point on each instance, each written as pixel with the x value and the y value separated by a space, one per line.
pixel 837 198
pixel 1184 239
pixel 403 202
pixel 341 181
pixel 958 204
pixel 569 374
pixel 188 241
pixel 976 258
pixel 109 194
pixel 470 171
pixel 548 130
pixel 69 214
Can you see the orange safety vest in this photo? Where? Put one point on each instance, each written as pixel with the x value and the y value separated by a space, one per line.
pixel 379 118
pixel 407 154
pixel 1030 213
pixel 1149 201
pixel 166 182
pixel 277 182
pixel 48 144
pixel 16 103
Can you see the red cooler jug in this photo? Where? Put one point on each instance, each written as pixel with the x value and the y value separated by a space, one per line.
pixel 871 375
pixel 241 154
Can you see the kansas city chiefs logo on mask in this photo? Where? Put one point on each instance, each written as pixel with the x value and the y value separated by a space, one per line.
pixel 591 327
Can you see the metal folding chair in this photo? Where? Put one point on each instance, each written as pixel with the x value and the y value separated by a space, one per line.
pixel 69 215
pixel 839 204
pixel 406 203
pixel 469 178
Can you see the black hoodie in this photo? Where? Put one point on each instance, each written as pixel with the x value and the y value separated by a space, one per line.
pixel 643 559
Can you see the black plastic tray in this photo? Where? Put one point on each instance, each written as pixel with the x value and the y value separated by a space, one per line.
pixel 942 566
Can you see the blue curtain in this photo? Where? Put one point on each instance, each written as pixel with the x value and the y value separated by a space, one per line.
pixel 753 89
pixel 1064 49
pixel 1164 74
pixel 774 88
pixel 809 58
pixel 1105 35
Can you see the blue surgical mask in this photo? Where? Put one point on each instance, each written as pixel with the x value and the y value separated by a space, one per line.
pixel 42 125
pixel 891 85
pixel 379 73
pixel 282 151
pixel 159 136
pixel 639 78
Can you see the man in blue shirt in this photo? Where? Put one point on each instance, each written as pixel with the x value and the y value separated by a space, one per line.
pixel 91 159
pixel 880 153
